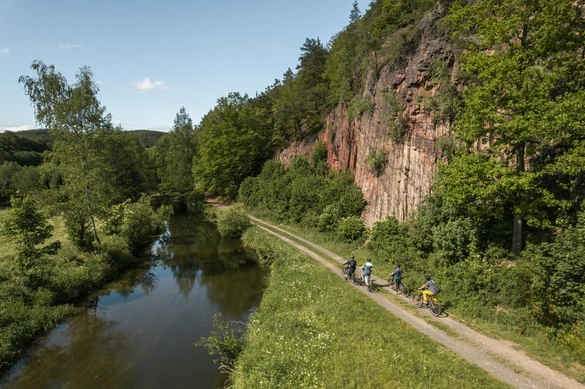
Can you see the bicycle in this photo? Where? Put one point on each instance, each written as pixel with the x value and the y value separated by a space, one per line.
pixel 400 289
pixel 348 276
pixel 368 282
pixel 433 305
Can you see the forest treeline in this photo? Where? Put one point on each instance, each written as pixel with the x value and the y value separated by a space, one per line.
pixel 21 154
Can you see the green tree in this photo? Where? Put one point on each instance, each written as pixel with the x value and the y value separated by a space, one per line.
pixel 174 155
pixel 355 14
pixel 288 108
pixel 81 129
pixel 28 229
pixel 527 68
pixel 313 84
pixel 231 143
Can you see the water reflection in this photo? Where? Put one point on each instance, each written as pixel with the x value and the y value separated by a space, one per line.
pixel 89 352
pixel 139 332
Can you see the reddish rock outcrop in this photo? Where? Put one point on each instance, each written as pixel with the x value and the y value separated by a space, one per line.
pixel 413 156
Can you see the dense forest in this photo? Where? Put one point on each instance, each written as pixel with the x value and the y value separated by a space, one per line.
pixel 502 229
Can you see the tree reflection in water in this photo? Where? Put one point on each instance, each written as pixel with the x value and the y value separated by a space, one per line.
pixel 197 252
pixel 94 355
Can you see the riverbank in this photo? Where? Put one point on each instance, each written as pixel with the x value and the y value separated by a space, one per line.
pixel 138 331
pixel 35 301
pixel 311 330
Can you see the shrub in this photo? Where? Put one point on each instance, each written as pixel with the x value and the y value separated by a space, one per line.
pixel 388 237
pixel 329 219
pixel 141 222
pixel 377 161
pixel 226 340
pixel 448 146
pixel 397 127
pixel 233 222
pixel 350 229
pixel 359 105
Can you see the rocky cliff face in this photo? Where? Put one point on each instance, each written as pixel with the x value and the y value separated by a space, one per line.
pixel 399 121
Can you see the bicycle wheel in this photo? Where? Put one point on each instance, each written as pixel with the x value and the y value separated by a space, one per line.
pixel 434 307
pixel 418 300
pixel 404 290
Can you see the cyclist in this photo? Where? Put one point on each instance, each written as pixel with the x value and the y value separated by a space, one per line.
pixel 432 291
pixel 396 277
pixel 367 270
pixel 349 267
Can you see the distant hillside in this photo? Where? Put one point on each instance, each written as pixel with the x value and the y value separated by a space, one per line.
pixel 26 148
pixel 147 138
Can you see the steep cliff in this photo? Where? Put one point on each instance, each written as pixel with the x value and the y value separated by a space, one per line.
pixel 400 120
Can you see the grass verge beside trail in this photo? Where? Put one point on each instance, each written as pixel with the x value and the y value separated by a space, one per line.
pixel 314 331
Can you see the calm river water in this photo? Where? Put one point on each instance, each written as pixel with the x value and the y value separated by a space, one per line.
pixel 139 332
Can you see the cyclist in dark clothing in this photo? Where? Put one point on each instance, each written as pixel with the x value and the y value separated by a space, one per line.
pixel 349 267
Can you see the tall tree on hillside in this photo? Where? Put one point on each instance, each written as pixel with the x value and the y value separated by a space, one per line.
pixel 231 143
pixel 355 13
pixel 526 99
pixel 174 155
pixel 81 129
pixel 311 78
pixel 288 108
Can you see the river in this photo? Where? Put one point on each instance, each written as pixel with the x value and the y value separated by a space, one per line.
pixel 138 332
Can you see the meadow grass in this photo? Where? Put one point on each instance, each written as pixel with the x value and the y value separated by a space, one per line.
pixel 313 330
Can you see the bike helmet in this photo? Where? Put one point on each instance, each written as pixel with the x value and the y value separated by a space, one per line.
pixel 428 277
pixel 351 256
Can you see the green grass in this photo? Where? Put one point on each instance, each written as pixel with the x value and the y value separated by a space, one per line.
pixel 314 331
pixel 537 346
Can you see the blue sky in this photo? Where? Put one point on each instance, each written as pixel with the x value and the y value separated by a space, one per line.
pixel 152 57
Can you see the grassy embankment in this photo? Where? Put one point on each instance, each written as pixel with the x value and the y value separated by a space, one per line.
pixel 538 346
pixel 34 303
pixel 314 331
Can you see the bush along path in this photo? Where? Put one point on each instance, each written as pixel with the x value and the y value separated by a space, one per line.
pixel 497 357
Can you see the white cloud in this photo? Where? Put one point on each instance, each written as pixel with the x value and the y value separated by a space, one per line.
pixel 69 46
pixel 15 128
pixel 5 50
pixel 125 125
pixel 146 84
pixel 162 128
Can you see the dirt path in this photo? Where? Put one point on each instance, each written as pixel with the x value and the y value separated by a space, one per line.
pixel 497 357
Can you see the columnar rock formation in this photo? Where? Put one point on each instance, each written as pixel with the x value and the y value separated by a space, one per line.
pixel 413 154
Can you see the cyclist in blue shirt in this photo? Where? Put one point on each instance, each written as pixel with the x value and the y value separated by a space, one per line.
pixel 396 277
